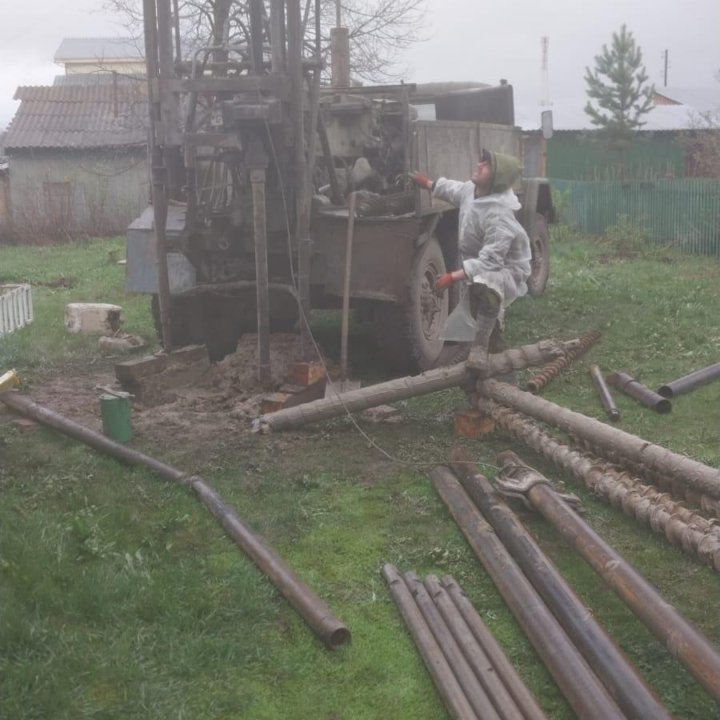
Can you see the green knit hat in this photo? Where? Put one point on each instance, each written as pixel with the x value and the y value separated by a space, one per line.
pixel 506 169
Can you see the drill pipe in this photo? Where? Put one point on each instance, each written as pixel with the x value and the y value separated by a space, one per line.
pixel 606 397
pixel 312 609
pixel 690 382
pixel 576 680
pixel 684 641
pixel 490 679
pixel 445 682
pixel 393 390
pixel 622 680
pixel 695 474
pixel 468 680
pixel 497 657
pixel 636 390
pixel 687 530
pixel 673 485
pixel 536 383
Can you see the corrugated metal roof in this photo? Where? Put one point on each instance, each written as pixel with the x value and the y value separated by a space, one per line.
pixel 572 117
pixel 100 49
pixel 79 116
pixel 98 78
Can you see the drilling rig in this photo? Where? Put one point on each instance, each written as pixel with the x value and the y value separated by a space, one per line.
pixel 254 162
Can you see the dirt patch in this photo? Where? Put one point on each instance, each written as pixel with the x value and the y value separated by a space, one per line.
pixel 221 405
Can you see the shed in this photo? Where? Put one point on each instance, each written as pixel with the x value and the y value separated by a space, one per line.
pixel 77 156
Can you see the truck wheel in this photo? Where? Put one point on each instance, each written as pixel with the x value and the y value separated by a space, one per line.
pixel 540 262
pixel 427 311
pixel 409 334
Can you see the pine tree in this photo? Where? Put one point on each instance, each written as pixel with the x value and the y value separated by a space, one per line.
pixel 619 87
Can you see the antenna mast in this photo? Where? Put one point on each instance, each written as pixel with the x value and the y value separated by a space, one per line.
pixel 545 84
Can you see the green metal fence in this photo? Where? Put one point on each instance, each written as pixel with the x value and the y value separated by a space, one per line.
pixel 683 213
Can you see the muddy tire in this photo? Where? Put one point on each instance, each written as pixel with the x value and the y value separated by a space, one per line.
pixel 427 311
pixel 540 262
pixel 409 334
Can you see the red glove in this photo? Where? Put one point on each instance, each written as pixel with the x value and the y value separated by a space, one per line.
pixel 445 281
pixel 422 181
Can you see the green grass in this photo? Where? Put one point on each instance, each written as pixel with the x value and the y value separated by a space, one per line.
pixel 123 598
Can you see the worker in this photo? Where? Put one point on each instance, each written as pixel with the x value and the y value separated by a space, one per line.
pixel 494 250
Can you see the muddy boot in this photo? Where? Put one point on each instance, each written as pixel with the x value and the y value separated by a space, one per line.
pixel 478 356
pixel 485 305
pixel 498 345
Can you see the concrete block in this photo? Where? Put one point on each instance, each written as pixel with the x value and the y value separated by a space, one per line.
pixel 472 424
pixel 121 343
pixel 93 318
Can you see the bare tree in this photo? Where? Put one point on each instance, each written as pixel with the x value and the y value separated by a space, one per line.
pixel 379 29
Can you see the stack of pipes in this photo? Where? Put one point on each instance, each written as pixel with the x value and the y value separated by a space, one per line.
pixel 469 668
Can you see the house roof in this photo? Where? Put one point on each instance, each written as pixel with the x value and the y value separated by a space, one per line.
pixel 99 49
pixel 572 117
pixel 702 99
pixel 79 117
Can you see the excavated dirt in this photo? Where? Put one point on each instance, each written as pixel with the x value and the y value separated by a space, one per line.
pixel 221 404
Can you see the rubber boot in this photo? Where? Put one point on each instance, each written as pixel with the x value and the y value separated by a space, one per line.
pixel 498 345
pixel 485 306
pixel 485 324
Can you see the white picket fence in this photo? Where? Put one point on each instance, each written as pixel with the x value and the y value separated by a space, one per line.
pixel 16 309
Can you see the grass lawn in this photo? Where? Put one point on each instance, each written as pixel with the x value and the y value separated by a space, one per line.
pixel 123 598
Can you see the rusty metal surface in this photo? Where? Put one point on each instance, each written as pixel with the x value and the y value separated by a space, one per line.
pixel 577 682
pixel 675 486
pixel 606 397
pixel 696 475
pixel 312 609
pixel 621 678
pixel 503 703
pixel 683 640
pixel 690 382
pixel 445 681
pixel 553 369
pixel 636 390
pixel 694 534
pixel 474 691
pixel 394 390
pixel 496 655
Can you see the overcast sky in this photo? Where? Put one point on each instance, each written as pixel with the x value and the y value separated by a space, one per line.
pixel 468 40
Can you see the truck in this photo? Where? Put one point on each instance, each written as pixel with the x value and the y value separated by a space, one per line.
pixel 275 194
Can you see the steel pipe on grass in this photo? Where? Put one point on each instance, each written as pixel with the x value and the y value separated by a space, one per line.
pixel 428 382
pixel 684 641
pixel 442 675
pixel 621 678
pixel 643 394
pixel 582 689
pixel 606 397
pixel 689 531
pixel 503 703
pixel 677 487
pixel 312 609
pixel 501 665
pixel 474 691
pixel 690 382
pixel 695 474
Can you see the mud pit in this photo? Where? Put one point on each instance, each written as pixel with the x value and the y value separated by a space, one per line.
pixel 219 406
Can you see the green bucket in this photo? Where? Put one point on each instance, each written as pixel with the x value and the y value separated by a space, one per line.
pixel 115 411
